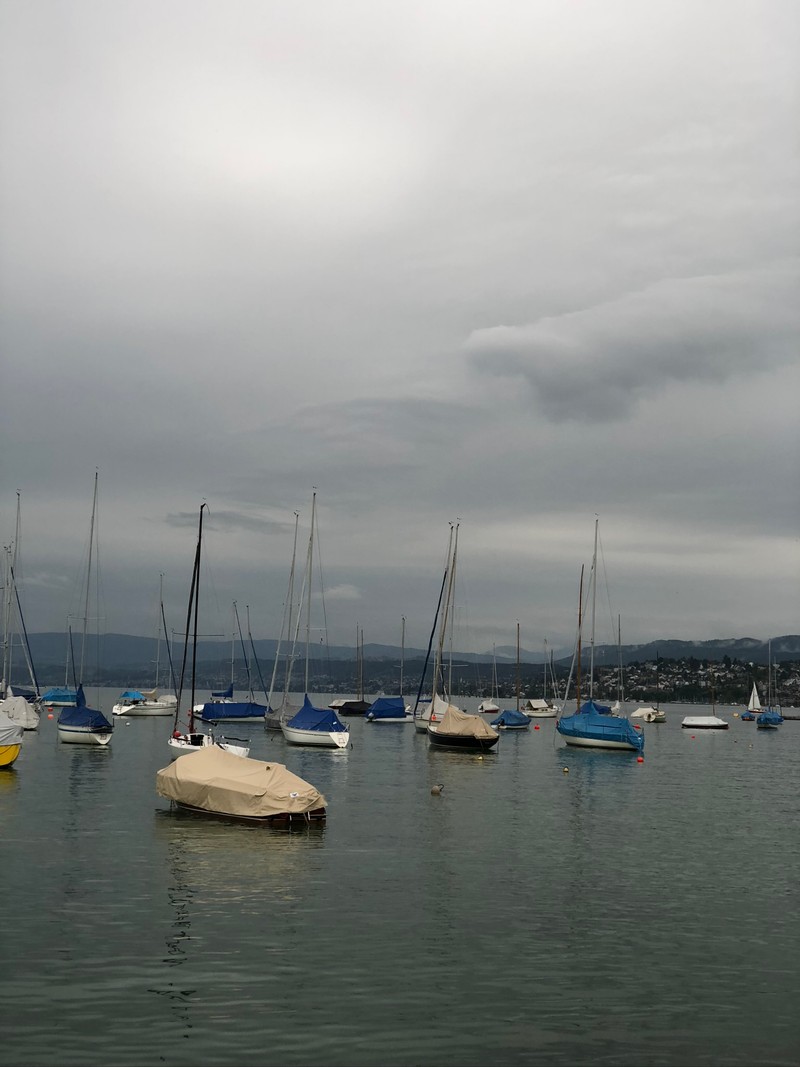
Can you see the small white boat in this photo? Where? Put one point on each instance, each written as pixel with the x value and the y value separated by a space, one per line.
pixel 649 714
pixel 316 727
pixel 184 744
pixel 488 707
pixel 136 703
pixel 537 708
pixel 704 722
pixel 82 725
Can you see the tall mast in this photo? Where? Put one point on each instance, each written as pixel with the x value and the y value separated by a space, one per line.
pixel 196 612
pixel 402 649
pixel 580 621
pixel 447 586
pixel 88 579
pixel 309 566
pixel 158 637
pixel 594 601
pixel 287 622
pixel 517 664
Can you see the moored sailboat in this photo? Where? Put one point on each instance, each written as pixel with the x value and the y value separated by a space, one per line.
pixel 80 724
pixel 214 782
pixel 11 734
pixel 593 725
pixel 456 729
pixel 192 740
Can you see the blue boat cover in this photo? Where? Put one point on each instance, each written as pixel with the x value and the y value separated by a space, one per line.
pixel 59 693
pixel 594 722
pixel 131 694
pixel 323 719
pixel 226 694
pixel 238 709
pixel 512 717
pixel 768 717
pixel 80 715
pixel 387 708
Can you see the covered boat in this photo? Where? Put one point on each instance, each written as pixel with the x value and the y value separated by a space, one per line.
pixel 20 711
pixel 593 726
pixel 10 740
pixel 649 714
pixel 217 783
pixel 511 719
pixel 703 722
pixel 769 719
pixel 217 711
pixel 319 727
pixel 59 696
pixel 539 708
pixel 82 725
pixel 388 709
pixel 458 729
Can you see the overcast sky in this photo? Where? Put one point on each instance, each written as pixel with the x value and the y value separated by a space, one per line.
pixel 518 264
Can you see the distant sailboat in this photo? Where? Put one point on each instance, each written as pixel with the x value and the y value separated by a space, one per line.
pixel 82 725
pixel 312 726
pixel 490 706
pixel 593 725
pixel 184 742
pixel 454 728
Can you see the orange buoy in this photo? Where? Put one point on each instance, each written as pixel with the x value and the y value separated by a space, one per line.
pixel 50 715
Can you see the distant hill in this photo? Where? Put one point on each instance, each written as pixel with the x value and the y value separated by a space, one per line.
pixel 138 654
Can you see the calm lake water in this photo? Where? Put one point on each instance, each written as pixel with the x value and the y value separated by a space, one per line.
pixel 622 913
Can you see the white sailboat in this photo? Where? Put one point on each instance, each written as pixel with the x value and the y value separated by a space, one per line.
pixel 191 740
pixel 490 706
pixel 136 703
pixel 705 722
pixel 80 724
pixel 312 726
pixel 21 706
pixel 454 728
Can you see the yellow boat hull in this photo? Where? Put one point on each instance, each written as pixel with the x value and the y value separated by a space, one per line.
pixel 8 753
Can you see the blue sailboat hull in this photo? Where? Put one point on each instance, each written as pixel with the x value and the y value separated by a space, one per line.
pixel 593 726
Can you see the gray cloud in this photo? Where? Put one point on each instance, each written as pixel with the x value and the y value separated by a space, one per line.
pixel 596 363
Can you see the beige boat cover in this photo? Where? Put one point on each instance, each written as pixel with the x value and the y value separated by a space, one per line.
pixel 20 711
pixel 220 782
pixel 455 721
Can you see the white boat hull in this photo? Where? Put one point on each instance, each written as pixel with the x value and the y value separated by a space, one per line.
pixel 590 742
pixel 550 713
pixel 704 722
pixel 77 735
pixel 405 718
pixel 315 738
pixel 179 746
pixel 130 711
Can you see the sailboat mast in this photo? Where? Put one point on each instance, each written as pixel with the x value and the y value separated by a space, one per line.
pixel 594 602
pixel 158 636
pixel 6 621
pixel 287 622
pixel 580 622
pixel 517 664
pixel 88 578
pixel 448 585
pixel 309 566
pixel 196 612
pixel 402 649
